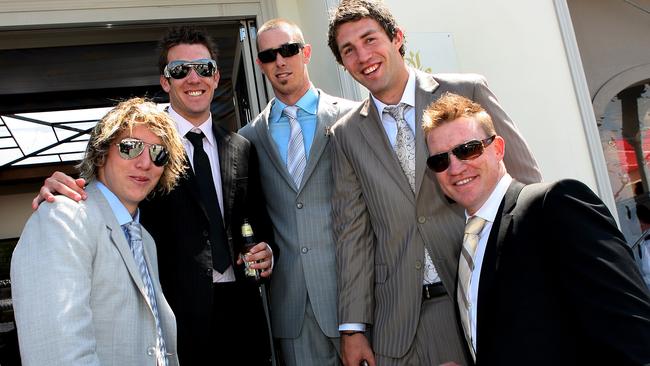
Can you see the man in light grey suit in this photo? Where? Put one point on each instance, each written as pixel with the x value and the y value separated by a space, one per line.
pixel 397 236
pixel 303 286
pixel 85 275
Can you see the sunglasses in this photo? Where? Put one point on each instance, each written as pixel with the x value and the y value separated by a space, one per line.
pixel 467 151
pixel 130 148
pixel 179 69
pixel 286 50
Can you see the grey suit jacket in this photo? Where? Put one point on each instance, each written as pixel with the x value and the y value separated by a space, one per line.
pixel 382 228
pixel 301 218
pixel 78 295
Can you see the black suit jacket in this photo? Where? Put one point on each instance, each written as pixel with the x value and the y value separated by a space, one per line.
pixel 558 284
pixel 179 224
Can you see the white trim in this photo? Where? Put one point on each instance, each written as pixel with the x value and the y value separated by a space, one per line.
pixel 586 108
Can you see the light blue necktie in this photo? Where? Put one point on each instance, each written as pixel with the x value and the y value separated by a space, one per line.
pixel 296 157
pixel 134 231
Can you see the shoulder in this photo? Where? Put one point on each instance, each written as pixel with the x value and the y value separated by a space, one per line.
pixel 352 116
pixel 459 78
pixel 344 105
pixel 233 138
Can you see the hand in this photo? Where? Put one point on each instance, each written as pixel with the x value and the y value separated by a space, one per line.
pixel 355 349
pixel 60 183
pixel 260 252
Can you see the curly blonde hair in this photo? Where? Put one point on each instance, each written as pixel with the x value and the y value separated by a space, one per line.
pixel 123 117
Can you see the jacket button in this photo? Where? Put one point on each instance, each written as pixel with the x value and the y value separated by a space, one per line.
pixel 418 265
pixel 304 250
pixel 207 242
pixel 422 219
pixel 151 351
pixel 205 233
pixel 299 205
pixel 208 272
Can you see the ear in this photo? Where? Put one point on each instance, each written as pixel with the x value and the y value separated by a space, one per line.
pixel 398 38
pixel 258 62
pixel 164 83
pixel 216 77
pixel 306 51
pixel 499 147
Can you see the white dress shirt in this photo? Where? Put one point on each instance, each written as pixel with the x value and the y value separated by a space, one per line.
pixel 488 212
pixel 211 149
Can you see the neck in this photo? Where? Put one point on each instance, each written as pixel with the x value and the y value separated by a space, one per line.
pixel 393 95
pixel 292 98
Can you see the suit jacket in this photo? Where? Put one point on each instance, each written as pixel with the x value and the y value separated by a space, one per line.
pixel 382 227
pixel 558 283
pixel 302 221
pixel 179 223
pixel 78 294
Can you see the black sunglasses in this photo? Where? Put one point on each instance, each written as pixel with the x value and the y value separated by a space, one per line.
pixel 467 151
pixel 179 69
pixel 131 148
pixel 286 50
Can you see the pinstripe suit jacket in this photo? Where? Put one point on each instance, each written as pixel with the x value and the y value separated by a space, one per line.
pixel 301 219
pixel 382 228
pixel 77 291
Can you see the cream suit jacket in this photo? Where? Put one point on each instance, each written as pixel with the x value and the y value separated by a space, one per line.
pixel 382 227
pixel 78 295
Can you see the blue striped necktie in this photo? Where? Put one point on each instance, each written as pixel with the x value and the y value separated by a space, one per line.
pixel 135 243
pixel 296 157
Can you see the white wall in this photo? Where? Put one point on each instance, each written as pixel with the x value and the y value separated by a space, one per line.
pixel 517 45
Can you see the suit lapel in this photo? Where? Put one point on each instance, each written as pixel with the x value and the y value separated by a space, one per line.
pixel 425 89
pixel 326 115
pixel 118 238
pixel 261 128
pixel 228 169
pixel 501 229
pixel 374 133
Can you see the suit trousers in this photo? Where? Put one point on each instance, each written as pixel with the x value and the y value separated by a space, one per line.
pixel 239 326
pixel 312 347
pixel 431 347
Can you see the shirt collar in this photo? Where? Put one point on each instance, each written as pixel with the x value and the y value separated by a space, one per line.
pixel 121 213
pixel 308 103
pixel 490 208
pixel 408 97
pixel 184 126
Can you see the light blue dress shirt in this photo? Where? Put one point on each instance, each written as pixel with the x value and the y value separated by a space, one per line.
pixel 121 213
pixel 279 124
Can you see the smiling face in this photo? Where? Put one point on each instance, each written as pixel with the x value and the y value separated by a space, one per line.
pixel 468 182
pixel 131 180
pixel 192 95
pixel 373 59
pixel 288 76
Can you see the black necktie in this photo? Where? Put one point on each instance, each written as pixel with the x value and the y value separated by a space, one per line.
pixel 218 241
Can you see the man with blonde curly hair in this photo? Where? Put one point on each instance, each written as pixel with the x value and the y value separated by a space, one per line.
pixel 85 275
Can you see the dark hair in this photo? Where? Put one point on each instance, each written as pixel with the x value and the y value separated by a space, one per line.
pixel 184 34
pixel 354 10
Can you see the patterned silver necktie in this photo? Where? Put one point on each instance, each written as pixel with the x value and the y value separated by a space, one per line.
pixel 296 157
pixel 405 151
pixel 465 268
pixel 404 142
pixel 134 230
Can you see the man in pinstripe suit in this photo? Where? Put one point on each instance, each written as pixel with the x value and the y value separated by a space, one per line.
pixel 303 286
pixel 398 238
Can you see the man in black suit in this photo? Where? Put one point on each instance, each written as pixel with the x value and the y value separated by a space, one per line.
pixel 197 226
pixel 546 277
